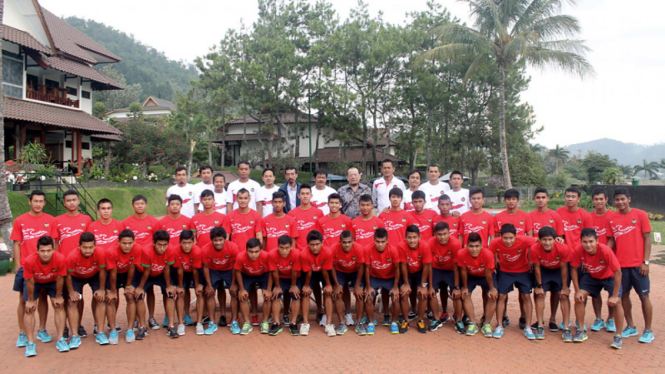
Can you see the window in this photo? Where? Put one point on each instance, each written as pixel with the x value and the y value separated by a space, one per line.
pixel 85 94
pixel 12 77
pixel 51 83
pixel 33 82
pixel 72 91
pixel 68 144
pixel 85 145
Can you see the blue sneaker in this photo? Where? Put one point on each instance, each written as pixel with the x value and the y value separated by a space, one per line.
pixel 22 340
pixel 188 321
pixel 74 342
pixel 598 325
pixel 394 328
pixel 647 337
pixel 62 345
pixel 528 332
pixel 166 322
pixel 628 332
pixel 610 326
pixel 577 326
pixel 30 349
pixel 371 328
pixel 129 336
pixel 101 338
pixel 43 336
pixel 498 333
pixel 113 337
pixel 212 327
pixel 235 329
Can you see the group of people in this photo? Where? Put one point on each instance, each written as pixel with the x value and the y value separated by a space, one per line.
pixel 297 241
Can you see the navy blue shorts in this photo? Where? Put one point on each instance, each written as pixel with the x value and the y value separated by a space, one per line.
pixel 187 278
pixel 522 281
pixel 445 277
pixel 415 279
pixel 285 285
pixel 551 279
pixel 261 281
pixel 50 288
pixel 631 278
pixel 317 277
pixel 593 286
pixel 472 281
pixel 93 282
pixel 348 279
pixel 152 281
pixel 19 281
pixel 385 283
pixel 120 280
pixel 219 279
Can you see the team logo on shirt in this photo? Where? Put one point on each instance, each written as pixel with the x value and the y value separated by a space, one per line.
pixel 190 193
pixel 634 221
pixel 149 228
pixel 441 192
pixel 216 222
pixel 373 227
pixel 579 221
pixel 601 262
pixel 227 256
pixel 260 266
pixel 484 222
pixel 53 270
pixel 463 199
pixel 482 265
pixel 82 224
pixel 429 220
pixel 519 250
pixel 184 226
pixel 251 222
pixel 94 262
pixel 343 225
pixel 521 223
pixel 115 231
pixel 46 225
pixel 131 258
pixel 353 258
pixel 286 226
pixel 314 217
pixel 551 221
pixel 290 262
pixel 420 257
pixel 387 260
pixel 252 189
pixel 403 220
pixel 558 258
pixel 454 225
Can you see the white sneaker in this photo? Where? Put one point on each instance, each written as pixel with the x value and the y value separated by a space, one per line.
pixel 199 329
pixel 348 319
pixel 304 329
pixel 181 329
pixel 324 320
pixel 330 330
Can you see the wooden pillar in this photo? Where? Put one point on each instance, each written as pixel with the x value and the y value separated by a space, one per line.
pixel 79 150
pixel 71 160
pixel 42 138
pixel 17 139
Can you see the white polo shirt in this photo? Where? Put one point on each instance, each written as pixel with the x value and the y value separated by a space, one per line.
pixel 432 194
pixel 235 186
pixel 186 193
pixel 407 201
pixel 381 190
pixel 320 198
pixel 459 200
pixel 265 196
pixel 200 187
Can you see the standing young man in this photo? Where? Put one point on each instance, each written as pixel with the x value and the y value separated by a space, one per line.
pixel 205 172
pixel 251 270
pixel 573 217
pixel 433 188
pixel 291 189
pixel 204 221
pixel 264 195
pixel 366 224
pixel 477 219
pixel 414 184
pixel 544 216
pixel 415 268
pixel 600 220
pixel 285 270
pixel 183 189
pixel 243 183
pixel 219 182
pixel 106 228
pixel 142 224
pixel 317 263
pixel 321 192
pixel 383 185
pixel 305 215
pixel 347 276
pixel 332 224
pixel 445 274
pixel 185 275
pixel 445 215
pixel 396 219
pixel 424 218
pixel 71 224
pixel 352 192
pixel 382 271
pixel 459 196
pixel 278 223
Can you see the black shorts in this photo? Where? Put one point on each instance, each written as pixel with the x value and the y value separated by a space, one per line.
pixel 78 283
pixel 442 277
pixel 415 279
pixel 551 279
pixel 219 279
pixel 120 280
pixel 631 278
pixel 260 281
pixel 187 278
pixel 317 277
pixel 152 281
pixel 19 281
pixel 472 281
pixel 50 288
pixel 522 281
pixel 594 286
pixel 348 279
pixel 385 283
pixel 285 285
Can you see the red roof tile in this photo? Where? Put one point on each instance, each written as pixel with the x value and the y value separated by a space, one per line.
pixel 24 39
pixel 82 70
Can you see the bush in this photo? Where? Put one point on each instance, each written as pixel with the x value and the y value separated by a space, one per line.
pixel 655 217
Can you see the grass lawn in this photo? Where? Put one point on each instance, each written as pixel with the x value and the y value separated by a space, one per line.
pixel 658 226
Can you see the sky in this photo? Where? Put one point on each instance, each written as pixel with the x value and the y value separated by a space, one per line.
pixel 620 101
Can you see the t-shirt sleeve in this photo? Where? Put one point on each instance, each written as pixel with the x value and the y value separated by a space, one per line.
pixel 528 223
pixel 328 264
pixel 297 265
pixel 574 257
pixel 613 261
pixel 304 263
pixel 110 258
pixel 644 220
pixel 238 263
pixel 258 227
pixel 272 260
pixel 490 261
pixel 61 266
pixel 17 234
pixel 229 196
pixel 28 271
pixel 426 253
pixel 533 254
pixel 55 234
pixel 146 259
pixel 494 245
pixel 401 252
pixel 170 257
pixel 226 224
pixel 100 257
pixel 294 229
pixel 492 227
pixel 565 252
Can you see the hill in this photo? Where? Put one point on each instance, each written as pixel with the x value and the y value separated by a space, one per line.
pixel 157 75
pixel 625 153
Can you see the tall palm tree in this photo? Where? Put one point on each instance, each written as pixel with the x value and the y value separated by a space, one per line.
pixel 560 156
pixel 506 33
pixel 5 212
pixel 648 168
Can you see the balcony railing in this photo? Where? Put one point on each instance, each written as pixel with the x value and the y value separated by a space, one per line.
pixel 54 95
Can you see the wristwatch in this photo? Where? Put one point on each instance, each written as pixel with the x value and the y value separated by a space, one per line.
pixel 538 285
pixel 423 285
pixel 456 288
pixel 646 262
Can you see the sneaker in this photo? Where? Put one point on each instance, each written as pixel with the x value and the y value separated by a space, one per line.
pixel 74 342
pixel 647 337
pixel 140 335
pixel 386 320
pixel 371 328
pixel 610 326
pixel 506 321
pixel 528 332
pixel 580 336
pixel 421 327
pixel 534 325
pixel 136 326
pixel 567 336
pixel 324 320
pixel 172 333
pixel 22 340
pixel 360 329
pixel 129 336
pixel 330 330
pixel 235 328
pixel 113 337
pixel 348 319
pixel 318 317
pixel 117 328
pixel 82 332
pixel 293 329
pixel 255 320
pixel 30 349
pixel 412 316
pixel 152 323
pixel 404 327
pixel 472 329
pixel 95 330
pixel 101 338
pixel 246 328
pixel 459 327
pixel 482 321
pixel 222 322
pixel 444 318
pixel 540 333
pixel 400 319
pixel 522 323
pixel 341 329
pixel 285 320
pixel 434 325
pixel 265 327
pixel 65 333
pixel 212 327
pixel 275 329
pixel 205 320
pixel 181 329
pixel 498 333
pixel 617 342
pixel 430 316
pixel 487 330
pixel 553 327
pixel 62 345
pixel 188 321
pixel 577 326
pixel 304 329
pixel 466 320
pixel 44 337
pixel 598 325
pixel 628 332
pixel 199 329
pixel 394 328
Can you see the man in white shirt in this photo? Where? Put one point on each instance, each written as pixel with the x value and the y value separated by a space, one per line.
pixel 237 185
pixel 414 184
pixel 434 188
pixel 321 192
pixel 219 181
pixel 264 196
pixel 205 172
pixel 183 189
pixel 382 186
pixel 459 197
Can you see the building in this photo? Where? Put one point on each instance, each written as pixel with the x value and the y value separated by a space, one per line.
pixel 48 80
pixel 152 107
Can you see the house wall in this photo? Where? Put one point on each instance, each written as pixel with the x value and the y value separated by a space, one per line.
pixel 13 15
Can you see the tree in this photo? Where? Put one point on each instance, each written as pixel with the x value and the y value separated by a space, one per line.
pixel 5 211
pixel 612 175
pixel 560 156
pixel 99 110
pixel 650 168
pixel 117 99
pixel 191 128
pixel 595 164
pixel 509 32
pixel 135 110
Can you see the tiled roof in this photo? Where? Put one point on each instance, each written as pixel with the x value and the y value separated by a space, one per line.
pixel 24 110
pixel 352 154
pixel 161 103
pixel 286 118
pixel 116 138
pixel 239 137
pixel 82 70
pixel 24 39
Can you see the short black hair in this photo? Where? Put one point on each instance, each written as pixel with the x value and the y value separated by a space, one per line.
pixel 540 190
pixel 278 195
pixel 318 172
pixel 45 240
pixel 395 192
pixel 621 191
pixel 218 175
pixel 387 160
pixel 414 171
pixel 36 193
pixel 180 168
pixel 243 190
pixel 290 167
pixel 284 240
pixel 508 228
pixel 346 234
pixel 599 191
pixel 160 235
pixel 474 237
pixel 186 235
pixel 206 166
pixel 217 232
pixel 440 226
pixel 253 243
pixel 104 201
pixel 314 235
pixel 444 197
pixel 243 162
pixel 207 193
pixel 268 169
pixel 589 232
pixel 366 198
pixel 475 191
pixel 456 172
pixel 380 233
pixel 68 193
pixel 87 237
pixel 139 198
pixel 334 196
pixel 418 195
pixel 433 166
pixel 306 187
pixel 511 193
pixel 546 232
pixel 412 229
pixel 126 233
pixel 573 189
pixel 174 197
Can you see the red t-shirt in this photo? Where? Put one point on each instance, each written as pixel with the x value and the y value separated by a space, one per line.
pixel 274 227
pixel 305 222
pixel 44 273
pixel 244 227
pixel 323 261
pixel 552 259
pixel 444 257
pixel 425 223
pixel 70 229
pixel 155 262
pixel 220 260
pixel 521 220
pixel 415 258
pixel 253 268
pixel 116 258
pixel 349 262
pixel 382 265
pixel 602 265
pixel 202 223
pixel 174 227
pixel 476 266
pixel 28 229
pixel 363 231
pixel 602 225
pixel 82 267
pixel 628 230
pixel 285 265
pixel 396 223
pixel 453 224
pixel 513 259
pixel 573 223
pixel 482 223
pixel 142 228
pixel 106 235
pixel 189 261
pixel 549 218
pixel 332 228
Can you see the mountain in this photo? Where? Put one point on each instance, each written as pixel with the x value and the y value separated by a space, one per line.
pixel 157 75
pixel 625 153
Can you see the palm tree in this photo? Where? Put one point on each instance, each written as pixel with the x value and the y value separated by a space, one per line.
pixel 506 33
pixel 192 128
pixel 648 168
pixel 560 156
pixel 626 170
pixel 5 211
